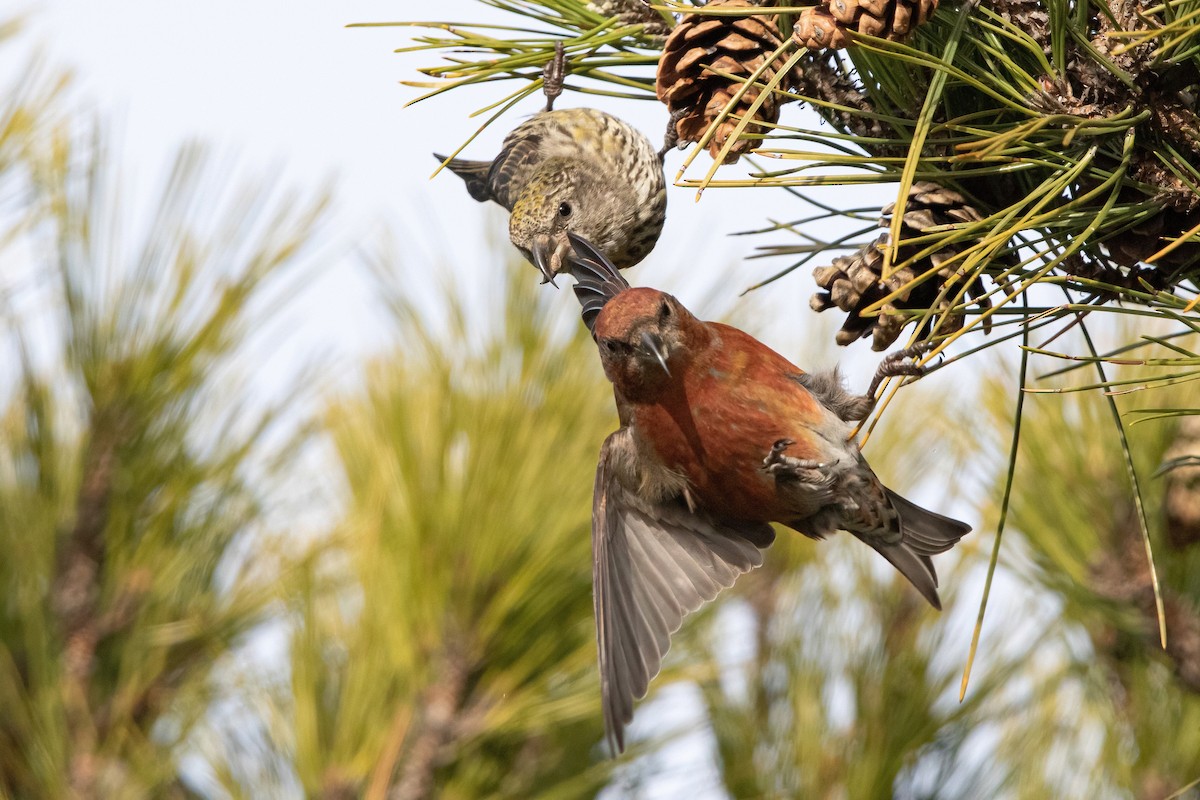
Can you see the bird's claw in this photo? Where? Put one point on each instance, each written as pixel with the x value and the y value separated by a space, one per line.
pixel 553 75
pixel 779 447
pixel 671 137
pixel 779 465
pixel 900 363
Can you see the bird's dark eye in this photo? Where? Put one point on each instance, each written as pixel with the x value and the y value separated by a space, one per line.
pixel 664 311
pixel 564 209
pixel 617 347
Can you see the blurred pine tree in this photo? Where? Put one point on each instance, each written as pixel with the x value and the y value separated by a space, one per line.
pixel 448 650
pixel 1072 506
pixel 128 509
pixel 439 640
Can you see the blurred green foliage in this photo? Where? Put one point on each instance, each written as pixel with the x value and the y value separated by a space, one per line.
pixel 171 627
pixel 1083 542
pixel 133 471
pixel 455 643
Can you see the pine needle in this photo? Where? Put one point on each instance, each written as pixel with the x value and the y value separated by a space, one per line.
pixel 1018 416
pixel 920 132
pixel 1137 495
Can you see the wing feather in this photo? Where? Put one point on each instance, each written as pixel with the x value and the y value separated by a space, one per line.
pixel 517 160
pixel 653 563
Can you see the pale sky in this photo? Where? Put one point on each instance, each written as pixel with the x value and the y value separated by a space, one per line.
pixel 288 84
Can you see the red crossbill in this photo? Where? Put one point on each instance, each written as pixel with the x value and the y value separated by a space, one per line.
pixel 576 170
pixel 720 436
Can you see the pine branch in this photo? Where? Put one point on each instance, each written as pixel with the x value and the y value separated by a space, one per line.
pixel 821 78
pixel 1121 577
pixel 441 705
pixel 75 597
pixel 1040 108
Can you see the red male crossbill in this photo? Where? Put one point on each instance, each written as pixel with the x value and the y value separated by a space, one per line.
pixel 720 436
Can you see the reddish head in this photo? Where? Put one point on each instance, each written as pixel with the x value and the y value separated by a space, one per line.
pixel 646 340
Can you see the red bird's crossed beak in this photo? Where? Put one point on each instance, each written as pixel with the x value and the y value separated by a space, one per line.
pixel 654 347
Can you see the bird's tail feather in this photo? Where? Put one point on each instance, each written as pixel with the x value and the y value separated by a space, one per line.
pixel 473 173
pixel 918 569
pixel 924 533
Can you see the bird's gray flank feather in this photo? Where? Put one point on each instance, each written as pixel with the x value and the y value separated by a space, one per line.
pixel 827 386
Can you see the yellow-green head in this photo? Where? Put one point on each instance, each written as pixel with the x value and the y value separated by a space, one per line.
pixel 570 194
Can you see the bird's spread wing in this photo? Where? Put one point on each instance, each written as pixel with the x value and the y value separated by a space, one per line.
pixel 596 279
pixel 652 563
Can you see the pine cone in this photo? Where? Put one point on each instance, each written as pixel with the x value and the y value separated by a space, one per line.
pixel 695 94
pixel 634 12
pixel 852 283
pixel 1179 212
pixel 825 25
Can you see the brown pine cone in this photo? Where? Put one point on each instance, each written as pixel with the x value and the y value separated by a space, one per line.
pixel 698 48
pixel 634 12
pixel 825 25
pixel 817 29
pixel 854 282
